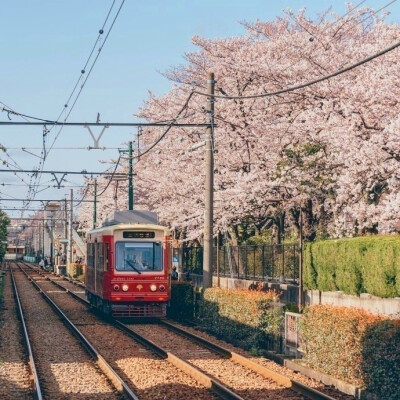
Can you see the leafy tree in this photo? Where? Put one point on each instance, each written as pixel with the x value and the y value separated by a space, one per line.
pixel 4 222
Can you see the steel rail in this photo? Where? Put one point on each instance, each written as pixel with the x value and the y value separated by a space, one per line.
pixel 296 386
pixel 300 388
pixel 213 384
pixel 111 374
pixel 36 382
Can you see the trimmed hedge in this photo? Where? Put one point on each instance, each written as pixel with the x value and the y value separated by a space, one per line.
pixel 369 264
pixel 355 346
pixel 245 318
pixel 181 305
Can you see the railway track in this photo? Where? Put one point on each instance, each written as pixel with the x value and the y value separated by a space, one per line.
pixel 64 363
pixel 15 371
pixel 146 372
pixel 226 372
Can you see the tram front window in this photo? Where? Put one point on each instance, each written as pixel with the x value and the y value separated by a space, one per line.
pixel 138 257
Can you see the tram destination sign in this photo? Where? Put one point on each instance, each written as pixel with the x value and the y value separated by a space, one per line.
pixel 138 235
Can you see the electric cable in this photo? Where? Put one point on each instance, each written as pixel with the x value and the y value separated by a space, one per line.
pixel 138 157
pixel 90 71
pixel 304 85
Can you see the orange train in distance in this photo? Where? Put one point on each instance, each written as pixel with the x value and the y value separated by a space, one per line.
pixel 128 265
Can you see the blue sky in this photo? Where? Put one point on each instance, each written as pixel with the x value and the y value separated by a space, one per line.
pixel 45 43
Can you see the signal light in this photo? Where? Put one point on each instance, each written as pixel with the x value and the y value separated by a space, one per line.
pixel 116 288
pixel 161 288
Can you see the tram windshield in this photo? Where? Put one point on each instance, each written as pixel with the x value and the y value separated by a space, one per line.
pixel 138 257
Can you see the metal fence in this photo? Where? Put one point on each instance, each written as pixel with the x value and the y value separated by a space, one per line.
pixel 262 263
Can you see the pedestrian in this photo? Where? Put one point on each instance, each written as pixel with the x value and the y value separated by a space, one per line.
pixel 41 263
pixel 45 263
pixel 174 274
pixel 188 278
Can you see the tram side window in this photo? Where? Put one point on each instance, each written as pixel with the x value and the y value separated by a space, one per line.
pixel 99 256
pixel 90 255
pixel 105 264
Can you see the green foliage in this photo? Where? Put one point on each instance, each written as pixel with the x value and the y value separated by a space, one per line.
pixel 4 222
pixel 245 318
pixel 381 359
pixel 181 306
pixel 291 307
pixel 369 264
pixel 355 346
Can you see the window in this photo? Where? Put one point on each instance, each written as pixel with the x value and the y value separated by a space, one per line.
pixel 105 246
pixel 90 255
pixel 138 257
pixel 99 256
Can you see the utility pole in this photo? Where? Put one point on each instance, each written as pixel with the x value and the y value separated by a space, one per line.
pixel 52 241
pixel 301 293
pixel 130 177
pixel 209 186
pixel 65 231
pixel 95 205
pixel 71 209
pixel 43 235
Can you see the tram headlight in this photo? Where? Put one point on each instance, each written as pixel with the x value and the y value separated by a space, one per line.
pixel 125 287
pixel 161 288
pixel 153 287
pixel 116 288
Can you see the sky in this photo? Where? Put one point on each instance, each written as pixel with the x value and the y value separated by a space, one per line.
pixel 44 46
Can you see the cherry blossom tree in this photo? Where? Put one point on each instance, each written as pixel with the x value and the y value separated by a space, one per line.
pixel 331 149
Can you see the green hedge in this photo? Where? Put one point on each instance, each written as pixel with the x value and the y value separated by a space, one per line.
pixel 181 306
pixel 245 318
pixel 368 264
pixel 381 359
pixel 355 346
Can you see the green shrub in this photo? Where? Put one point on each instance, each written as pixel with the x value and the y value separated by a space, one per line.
pixel 355 346
pixel 381 359
pixel 181 306
pixel 245 318
pixel 354 265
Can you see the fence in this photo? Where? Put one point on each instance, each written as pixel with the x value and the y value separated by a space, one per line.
pixel 262 263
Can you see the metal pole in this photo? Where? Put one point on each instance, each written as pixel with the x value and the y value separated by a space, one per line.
pixel 43 236
pixel 301 294
pixel 95 205
pixel 65 229
pixel 209 186
pixel 71 205
pixel 130 177
pixel 51 241
pixel 218 267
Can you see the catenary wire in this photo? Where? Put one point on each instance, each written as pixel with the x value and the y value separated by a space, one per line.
pixel 304 85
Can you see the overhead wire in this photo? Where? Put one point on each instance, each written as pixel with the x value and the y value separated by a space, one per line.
pixel 310 83
pixel 101 31
pixel 90 71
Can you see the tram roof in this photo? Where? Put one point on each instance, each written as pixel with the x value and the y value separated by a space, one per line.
pixel 109 230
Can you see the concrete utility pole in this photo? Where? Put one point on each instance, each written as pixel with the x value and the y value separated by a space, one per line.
pixel 301 292
pixel 209 186
pixel 95 205
pixel 130 177
pixel 71 206
pixel 65 245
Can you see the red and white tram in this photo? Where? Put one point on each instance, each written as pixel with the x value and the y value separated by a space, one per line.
pixel 128 265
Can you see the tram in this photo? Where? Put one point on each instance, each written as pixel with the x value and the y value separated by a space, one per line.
pixel 128 265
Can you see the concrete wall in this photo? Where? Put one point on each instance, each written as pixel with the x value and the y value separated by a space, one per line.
pixel 372 304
